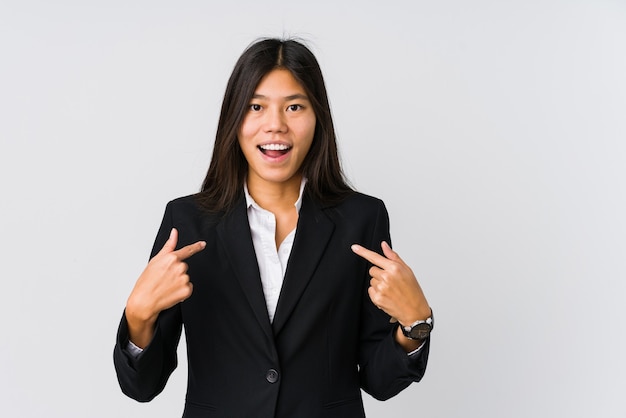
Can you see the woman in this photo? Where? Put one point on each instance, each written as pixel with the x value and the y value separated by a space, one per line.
pixel 285 314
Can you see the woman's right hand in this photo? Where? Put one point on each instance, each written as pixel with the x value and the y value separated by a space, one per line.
pixel 163 284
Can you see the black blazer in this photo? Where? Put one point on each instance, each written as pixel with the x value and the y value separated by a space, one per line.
pixel 327 339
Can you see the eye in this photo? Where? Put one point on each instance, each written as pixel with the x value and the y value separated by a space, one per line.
pixel 294 107
pixel 255 107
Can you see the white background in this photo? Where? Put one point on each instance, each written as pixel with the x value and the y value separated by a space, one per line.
pixel 494 130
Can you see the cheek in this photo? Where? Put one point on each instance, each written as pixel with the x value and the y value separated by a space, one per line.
pixel 244 145
pixel 306 145
pixel 242 134
pixel 307 131
pixel 246 131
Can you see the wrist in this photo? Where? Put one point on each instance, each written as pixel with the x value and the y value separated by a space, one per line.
pixel 140 331
pixel 418 330
pixel 407 344
pixel 139 312
pixel 419 314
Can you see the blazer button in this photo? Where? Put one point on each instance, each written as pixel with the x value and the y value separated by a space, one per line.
pixel 271 376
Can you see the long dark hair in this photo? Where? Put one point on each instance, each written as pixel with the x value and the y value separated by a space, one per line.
pixel 223 183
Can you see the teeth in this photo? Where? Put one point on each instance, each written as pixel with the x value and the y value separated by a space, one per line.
pixel 274 147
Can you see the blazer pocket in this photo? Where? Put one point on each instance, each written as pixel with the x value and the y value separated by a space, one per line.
pixel 345 408
pixel 346 401
pixel 192 409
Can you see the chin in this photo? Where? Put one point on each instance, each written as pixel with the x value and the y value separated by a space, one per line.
pixel 278 178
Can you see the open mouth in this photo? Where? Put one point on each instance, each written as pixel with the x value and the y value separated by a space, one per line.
pixel 274 150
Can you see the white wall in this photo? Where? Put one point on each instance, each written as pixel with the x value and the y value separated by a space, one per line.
pixel 494 130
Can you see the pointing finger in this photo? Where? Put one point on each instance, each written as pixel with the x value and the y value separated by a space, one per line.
pixel 371 256
pixel 189 250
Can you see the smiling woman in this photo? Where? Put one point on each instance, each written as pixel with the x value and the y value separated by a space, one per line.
pixel 277 132
pixel 228 168
pixel 285 314
pixel 275 138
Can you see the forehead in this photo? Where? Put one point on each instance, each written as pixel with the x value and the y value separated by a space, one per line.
pixel 279 83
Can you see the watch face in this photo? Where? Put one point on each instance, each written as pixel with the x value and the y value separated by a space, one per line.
pixel 420 331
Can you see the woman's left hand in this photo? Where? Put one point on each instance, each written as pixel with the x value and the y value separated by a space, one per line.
pixel 393 287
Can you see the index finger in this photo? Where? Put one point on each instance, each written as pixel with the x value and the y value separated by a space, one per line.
pixel 371 256
pixel 189 250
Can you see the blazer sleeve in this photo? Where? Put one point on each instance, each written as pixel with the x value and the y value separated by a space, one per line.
pixel 385 368
pixel 144 377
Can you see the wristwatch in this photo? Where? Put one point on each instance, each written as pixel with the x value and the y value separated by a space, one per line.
pixel 419 330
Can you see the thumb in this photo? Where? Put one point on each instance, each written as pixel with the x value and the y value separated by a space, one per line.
pixel 170 244
pixel 388 252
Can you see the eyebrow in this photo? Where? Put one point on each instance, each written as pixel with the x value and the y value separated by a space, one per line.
pixel 296 96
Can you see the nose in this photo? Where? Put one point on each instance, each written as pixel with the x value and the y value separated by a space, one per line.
pixel 275 120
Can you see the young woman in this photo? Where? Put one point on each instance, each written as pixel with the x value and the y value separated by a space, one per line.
pixel 285 309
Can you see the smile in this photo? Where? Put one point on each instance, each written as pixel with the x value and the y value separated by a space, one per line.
pixel 274 150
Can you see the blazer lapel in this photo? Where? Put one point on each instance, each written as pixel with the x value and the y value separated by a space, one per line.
pixel 234 233
pixel 312 235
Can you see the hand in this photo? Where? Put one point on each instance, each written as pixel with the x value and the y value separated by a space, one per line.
pixel 393 287
pixel 163 283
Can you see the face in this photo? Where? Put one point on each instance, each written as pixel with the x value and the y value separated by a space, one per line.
pixel 277 131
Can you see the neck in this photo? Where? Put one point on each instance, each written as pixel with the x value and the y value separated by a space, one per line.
pixel 274 196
